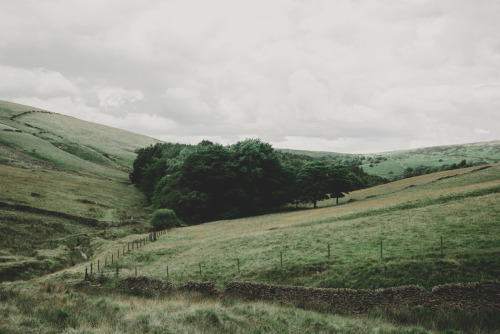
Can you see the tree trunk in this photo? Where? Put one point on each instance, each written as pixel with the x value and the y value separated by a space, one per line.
pixel 315 204
pixel 337 200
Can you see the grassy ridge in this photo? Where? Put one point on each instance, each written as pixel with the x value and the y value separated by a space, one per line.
pixel 409 216
pixel 57 163
pixel 392 165
pixel 50 139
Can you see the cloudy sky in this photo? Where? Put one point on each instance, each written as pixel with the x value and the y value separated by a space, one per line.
pixel 354 76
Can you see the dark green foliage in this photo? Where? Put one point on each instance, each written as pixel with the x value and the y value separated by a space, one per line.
pixel 311 182
pixel 152 163
pixel 209 181
pixel 163 219
pixel 341 180
pixel 423 170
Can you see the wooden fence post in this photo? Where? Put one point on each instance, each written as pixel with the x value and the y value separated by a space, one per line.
pixel 281 258
pixel 117 271
pixel 441 245
pixel 381 249
pixel 111 258
pixel 135 271
pixel 199 264
pixel 98 266
pixel 86 275
pixel 238 261
pixel 118 255
pixel 90 268
pixel 167 270
pixel 328 251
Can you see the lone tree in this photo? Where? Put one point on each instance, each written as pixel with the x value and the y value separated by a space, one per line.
pixel 163 219
pixel 341 181
pixel 312 184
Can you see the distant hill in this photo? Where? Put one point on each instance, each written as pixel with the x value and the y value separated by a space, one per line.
pixel 392 165
pixel 34 137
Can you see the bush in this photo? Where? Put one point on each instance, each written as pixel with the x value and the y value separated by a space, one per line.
pixel 163 219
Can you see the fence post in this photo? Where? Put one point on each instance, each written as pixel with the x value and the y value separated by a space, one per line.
pixel 381 249
pixel 281 258
pixel 199 264
pixel 238 261
pixel 328 251
pixel 123 250
pixel 441 245
pixel 135 271
pixel 111 258
pixel 86 275
pixel 118 255
pixel 167 270
pixel 98 266
pixel 116 271
pixel 90 268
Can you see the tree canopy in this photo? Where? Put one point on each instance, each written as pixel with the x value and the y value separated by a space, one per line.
pixel 209 181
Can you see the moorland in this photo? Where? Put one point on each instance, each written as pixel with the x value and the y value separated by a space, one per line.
pixel 432 229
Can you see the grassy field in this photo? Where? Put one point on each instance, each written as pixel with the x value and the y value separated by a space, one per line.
pixel 57 163
pixel 409 217
pixel 392 165
pixel 46 163
pixel 55 308
pixel 40 138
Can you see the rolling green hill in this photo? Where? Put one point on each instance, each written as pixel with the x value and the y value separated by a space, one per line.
pixel 57 171
pixel 53 167
pixel 392 165
pixel 30 136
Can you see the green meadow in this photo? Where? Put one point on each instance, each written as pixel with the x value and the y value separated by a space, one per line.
pixel 385 236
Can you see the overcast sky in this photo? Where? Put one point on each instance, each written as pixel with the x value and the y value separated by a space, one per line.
pixel 354 76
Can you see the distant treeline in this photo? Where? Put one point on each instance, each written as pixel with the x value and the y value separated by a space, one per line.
pixel 209 181
pixel 423 170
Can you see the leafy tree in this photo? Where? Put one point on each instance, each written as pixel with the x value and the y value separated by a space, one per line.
pixel 341 181
pixel 261 178
pixel 163 219
pixel 312 185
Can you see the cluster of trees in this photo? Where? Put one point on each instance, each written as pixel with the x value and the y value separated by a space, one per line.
pixel 209 181
pixel 423 170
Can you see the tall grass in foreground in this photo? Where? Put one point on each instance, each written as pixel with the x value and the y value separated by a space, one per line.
pixel 56 308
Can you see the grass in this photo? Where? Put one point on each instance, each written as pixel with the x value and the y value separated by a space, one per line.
pixel 62 164
pixel 56 308
pixel 408 220
pixel 76 193
pixel 392 165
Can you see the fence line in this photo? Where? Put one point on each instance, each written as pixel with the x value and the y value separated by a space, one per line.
pixel 155 235
pixel 140 242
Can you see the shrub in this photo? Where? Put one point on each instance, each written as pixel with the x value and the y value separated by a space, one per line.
pixel 164 218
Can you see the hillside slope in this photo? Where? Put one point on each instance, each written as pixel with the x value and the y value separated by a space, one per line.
pixel 34 137
pixel 63 182
pixel 409 217
pixel 392 165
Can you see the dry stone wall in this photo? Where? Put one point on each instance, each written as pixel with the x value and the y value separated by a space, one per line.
pixel 483 295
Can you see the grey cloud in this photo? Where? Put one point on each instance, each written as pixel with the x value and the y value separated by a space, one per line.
pixel 343 75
